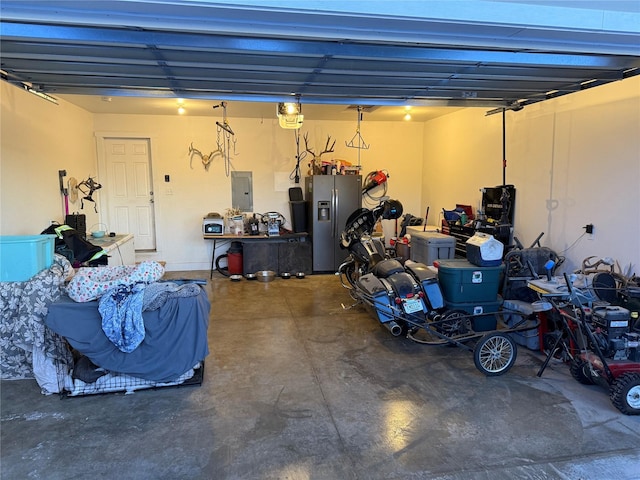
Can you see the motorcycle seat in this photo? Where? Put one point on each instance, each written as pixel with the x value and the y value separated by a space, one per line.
pixel 388 267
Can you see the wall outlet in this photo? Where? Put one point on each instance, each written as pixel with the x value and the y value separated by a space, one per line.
pixel 589 231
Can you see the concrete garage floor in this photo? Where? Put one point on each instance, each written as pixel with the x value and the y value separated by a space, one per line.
pixel 297 388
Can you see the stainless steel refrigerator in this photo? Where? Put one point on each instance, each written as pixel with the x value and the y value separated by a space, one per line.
pixel 331 199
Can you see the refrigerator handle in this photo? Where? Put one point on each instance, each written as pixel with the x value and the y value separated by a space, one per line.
pixel 334 218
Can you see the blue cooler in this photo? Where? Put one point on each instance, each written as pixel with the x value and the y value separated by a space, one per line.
pixel 484 250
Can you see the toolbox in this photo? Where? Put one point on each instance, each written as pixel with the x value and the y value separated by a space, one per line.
pixel 463 282
pixel 429 246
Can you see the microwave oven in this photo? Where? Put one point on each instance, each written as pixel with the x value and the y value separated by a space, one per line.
pixel 213 226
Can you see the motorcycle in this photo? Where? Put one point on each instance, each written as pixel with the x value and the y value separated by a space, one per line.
pixel 407 299
pixel 403 297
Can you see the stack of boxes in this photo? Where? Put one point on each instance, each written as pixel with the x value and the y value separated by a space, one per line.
pixel 472 284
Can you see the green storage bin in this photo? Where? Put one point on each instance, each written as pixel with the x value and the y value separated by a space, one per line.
pixel 484 313
pixel 23 256
pixel 463 282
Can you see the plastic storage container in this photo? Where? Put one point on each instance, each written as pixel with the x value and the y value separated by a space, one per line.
pixel 484 320
pixel 23 256
pixel 463 282
pixel 429 246
pixel 518 313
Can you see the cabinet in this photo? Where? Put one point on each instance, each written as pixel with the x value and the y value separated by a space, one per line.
pixel 287 253
pixel 461 234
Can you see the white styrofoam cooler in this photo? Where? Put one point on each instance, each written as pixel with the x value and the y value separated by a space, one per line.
pixel 429 246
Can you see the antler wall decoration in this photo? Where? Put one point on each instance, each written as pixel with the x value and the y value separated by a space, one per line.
pixel 206 159
pixel 315 166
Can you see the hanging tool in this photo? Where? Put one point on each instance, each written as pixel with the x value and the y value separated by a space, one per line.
pixel 92 185
pixel 374 179
pixel 295 174
pixel 426 217
pixel 63 190
pixel 225 130
pixel 357 141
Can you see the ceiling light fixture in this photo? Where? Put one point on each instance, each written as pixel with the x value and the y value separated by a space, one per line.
pixel 407 114
pixel 39 93
pixel 181 109
pixel 290 115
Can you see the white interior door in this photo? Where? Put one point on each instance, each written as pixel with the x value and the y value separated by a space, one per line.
pixel 129 189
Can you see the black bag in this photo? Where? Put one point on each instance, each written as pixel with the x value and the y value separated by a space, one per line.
pixel 72 245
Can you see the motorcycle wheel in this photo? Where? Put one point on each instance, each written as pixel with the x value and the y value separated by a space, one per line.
pixel 495 354
pixel 625 393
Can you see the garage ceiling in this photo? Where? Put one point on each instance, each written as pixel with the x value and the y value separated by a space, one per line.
pixel 491 54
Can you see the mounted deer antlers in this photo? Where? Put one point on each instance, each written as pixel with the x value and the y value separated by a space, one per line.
pixel 206 159
pixel 316 164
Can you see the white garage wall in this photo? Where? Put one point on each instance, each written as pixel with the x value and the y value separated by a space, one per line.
pixel 573 160
pixel 262 148
pixel 38 138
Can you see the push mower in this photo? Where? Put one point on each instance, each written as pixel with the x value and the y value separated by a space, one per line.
pixel 603 344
